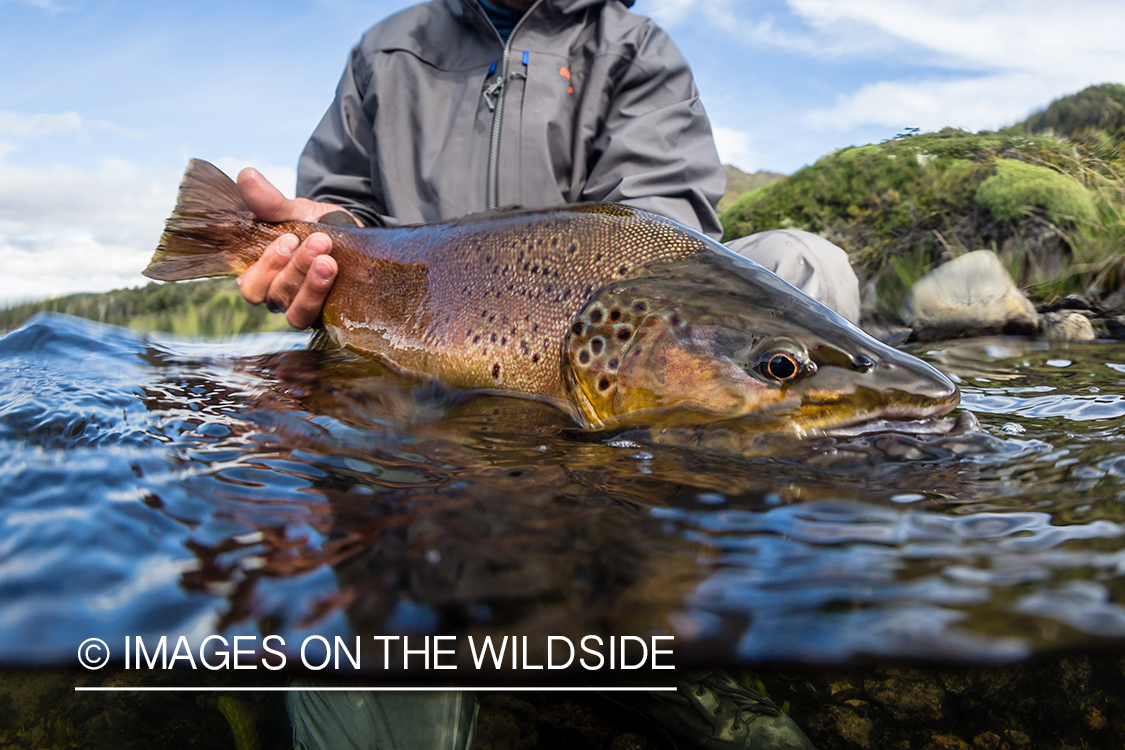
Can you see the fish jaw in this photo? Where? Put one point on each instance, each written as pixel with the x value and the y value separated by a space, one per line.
pixel 722 340
pixel 885 385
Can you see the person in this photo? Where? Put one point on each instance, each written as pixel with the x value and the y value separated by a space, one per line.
pixel 438 115
pixel 453 107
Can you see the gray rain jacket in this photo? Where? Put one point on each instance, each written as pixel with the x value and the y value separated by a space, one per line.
pixel 597 105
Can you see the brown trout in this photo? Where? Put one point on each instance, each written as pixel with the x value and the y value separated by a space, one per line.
pixel 616 315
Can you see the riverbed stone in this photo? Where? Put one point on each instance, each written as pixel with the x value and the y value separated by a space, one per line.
pixel 1114 302
pixel 1066 326
pixel 971 295
pixel 1115 327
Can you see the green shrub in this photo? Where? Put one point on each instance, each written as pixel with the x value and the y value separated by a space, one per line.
pixel 1017 187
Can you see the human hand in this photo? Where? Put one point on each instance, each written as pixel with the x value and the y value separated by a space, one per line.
pixel 291 276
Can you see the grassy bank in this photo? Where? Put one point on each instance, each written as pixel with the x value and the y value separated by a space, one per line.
pixel 1050 198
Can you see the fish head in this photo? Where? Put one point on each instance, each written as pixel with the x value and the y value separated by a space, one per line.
pixel 718 338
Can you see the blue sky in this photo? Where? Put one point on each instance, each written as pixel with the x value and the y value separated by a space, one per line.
pixel 103 103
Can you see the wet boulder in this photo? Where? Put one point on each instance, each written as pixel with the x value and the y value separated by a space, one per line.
pixel 972 295
pixel 1066 326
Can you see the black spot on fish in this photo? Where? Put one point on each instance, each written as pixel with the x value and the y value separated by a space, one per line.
pixel 483 313
pixel 613 363
pixel 495 270
pixel 504 341
pixel 566 295
pixel 624 334
pixel 576 329
pixel 584 357
pixel 674 320
pixel 496 371
pixel 596 345
pixel 476 339
pixel 493 317
pixel 535 269
pixel 534 357
pixel 639 307
pixel 597 257
pixel 573 248
pixel 603 384
pixel 615 315
pixel 596 315
pixel 494 338
pixel 622 270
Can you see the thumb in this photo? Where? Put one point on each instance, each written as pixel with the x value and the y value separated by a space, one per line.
pixel 266 201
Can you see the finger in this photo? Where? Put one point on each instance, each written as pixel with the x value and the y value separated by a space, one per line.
pixel 266 201
pixel 306 306
pixel 255 282
pixel 285 285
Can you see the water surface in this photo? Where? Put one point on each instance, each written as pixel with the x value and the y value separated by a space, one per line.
pixel 159 486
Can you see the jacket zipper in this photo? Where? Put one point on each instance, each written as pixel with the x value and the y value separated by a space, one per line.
pixel 501 87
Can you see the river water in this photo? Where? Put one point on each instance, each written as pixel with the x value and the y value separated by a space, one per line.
pixel 158 486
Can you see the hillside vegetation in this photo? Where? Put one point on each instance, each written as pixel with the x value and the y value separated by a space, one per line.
pixel 208 308
pixel 1047 194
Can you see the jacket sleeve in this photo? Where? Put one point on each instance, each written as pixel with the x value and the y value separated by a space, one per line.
pixel 656 150
pixel 335 166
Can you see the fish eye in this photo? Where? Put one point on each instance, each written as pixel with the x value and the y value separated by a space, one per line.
pixel 784 362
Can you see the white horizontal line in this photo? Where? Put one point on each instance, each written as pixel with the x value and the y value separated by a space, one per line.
pixel 288 689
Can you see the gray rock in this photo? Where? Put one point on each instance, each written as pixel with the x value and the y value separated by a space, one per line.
pixel 1066 326
pixel 1116 327
pixel 972 295
pixel 1115 302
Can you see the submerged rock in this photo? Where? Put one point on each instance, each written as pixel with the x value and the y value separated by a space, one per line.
pixel 972 295
pixel 1066 326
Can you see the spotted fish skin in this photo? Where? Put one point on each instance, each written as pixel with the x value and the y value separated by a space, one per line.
pixel 613 314
pixel 483 302
pixel 486 302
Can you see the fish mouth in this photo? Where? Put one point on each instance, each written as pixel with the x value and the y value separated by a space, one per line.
pixel 823 421
pixel 897 389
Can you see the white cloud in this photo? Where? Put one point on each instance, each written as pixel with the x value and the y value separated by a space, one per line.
pixel 1004 59
pixel 973 104
pixel 14 125
pixel 752 25
pixel 65 229
pixel 734 148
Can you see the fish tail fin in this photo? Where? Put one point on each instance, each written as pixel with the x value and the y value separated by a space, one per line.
pixel 211 232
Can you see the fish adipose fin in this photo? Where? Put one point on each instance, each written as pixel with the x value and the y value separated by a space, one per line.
pixel 211 232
